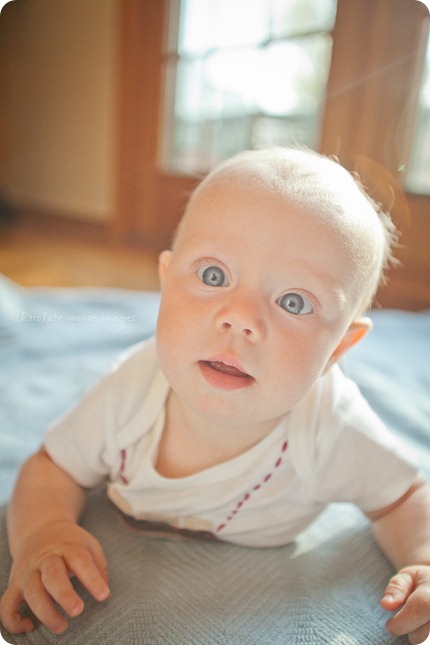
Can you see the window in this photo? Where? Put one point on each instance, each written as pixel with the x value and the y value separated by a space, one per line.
pixel 418 173
pixel 244 75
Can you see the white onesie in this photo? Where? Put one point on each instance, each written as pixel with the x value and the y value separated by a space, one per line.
pixel 330 448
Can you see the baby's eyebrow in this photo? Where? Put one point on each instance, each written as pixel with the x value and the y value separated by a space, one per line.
pixel 325 287
pixel 338 296
pixel 196 264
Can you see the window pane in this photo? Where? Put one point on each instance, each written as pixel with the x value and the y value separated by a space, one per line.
pixel 418 174
pixel 236 86
pixel 210 24
pixel 297 16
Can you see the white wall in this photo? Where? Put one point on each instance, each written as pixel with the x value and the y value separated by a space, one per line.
pixel 58 111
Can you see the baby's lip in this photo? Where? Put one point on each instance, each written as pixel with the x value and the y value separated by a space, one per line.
pixel 227 365
pixel 225 373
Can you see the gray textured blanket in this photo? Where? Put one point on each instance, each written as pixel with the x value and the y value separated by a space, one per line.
pixel 324 588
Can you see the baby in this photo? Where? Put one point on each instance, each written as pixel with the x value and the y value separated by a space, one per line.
pixel 236 421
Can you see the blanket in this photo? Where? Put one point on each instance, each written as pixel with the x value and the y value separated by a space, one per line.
pixel 323 588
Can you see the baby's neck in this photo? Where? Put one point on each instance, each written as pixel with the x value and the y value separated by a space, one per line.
pixel 190 444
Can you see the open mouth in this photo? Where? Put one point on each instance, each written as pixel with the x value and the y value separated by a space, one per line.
pixel 226 369
pixel 225 376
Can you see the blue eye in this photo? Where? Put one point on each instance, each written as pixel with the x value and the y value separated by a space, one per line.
pixel 213 276
pixel 295 304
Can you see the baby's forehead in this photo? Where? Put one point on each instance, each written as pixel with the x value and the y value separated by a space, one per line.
pixel 303 177
pixel 304 181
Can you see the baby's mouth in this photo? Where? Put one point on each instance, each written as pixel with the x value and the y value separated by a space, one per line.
pixel 223 375
pixel 219 366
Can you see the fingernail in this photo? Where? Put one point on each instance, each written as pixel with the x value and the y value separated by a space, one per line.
pixel 388 597
pixel 396 594
pixel 103 594
pixel 75 610
pixel 60 628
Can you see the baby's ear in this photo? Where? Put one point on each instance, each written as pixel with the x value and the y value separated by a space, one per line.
pixel 355 332
pixel 163 263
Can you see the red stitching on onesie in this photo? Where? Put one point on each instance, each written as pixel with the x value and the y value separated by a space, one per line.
pixel 247 496
pixel 122 467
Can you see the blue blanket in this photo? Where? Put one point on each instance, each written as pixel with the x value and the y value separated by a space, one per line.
pixel 325 588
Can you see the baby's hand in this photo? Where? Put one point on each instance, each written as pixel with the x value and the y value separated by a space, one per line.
pixel 410 590
pixel 41 573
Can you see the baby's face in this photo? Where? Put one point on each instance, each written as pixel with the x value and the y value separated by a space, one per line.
pixel 256 296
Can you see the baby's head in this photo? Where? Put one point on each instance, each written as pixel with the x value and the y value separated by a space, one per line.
pixel 276 258
pixel 317 184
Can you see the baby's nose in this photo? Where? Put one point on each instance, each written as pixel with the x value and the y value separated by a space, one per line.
pixel 243 316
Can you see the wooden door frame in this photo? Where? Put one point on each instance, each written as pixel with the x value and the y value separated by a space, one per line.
pixel 142 25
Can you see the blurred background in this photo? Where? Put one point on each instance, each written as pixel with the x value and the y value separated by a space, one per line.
pixel 112 110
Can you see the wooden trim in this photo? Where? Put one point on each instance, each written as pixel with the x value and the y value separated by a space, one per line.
pixel 141 40
pixel 377 61
pixel 409 284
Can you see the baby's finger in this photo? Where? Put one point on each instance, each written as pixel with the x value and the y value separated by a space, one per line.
pixel 42 605
pixel 84 567
pixel 414 615
pixel 10 604
pixel 100 560
pixel 397 591
pixel 419 635
pixel 55 579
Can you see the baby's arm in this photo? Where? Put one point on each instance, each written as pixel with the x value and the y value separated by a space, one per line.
pixel 403 532
pixel 47 547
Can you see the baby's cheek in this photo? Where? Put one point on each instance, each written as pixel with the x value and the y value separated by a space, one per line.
pixel 172 338
pixel 164 341
pixel 300 364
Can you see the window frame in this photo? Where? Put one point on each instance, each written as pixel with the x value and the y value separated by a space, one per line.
pixel 172 59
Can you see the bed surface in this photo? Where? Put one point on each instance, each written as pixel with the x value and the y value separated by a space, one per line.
pixel 324 588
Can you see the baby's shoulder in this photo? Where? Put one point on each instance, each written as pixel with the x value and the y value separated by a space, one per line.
pixel 136 365
pixel 131 378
